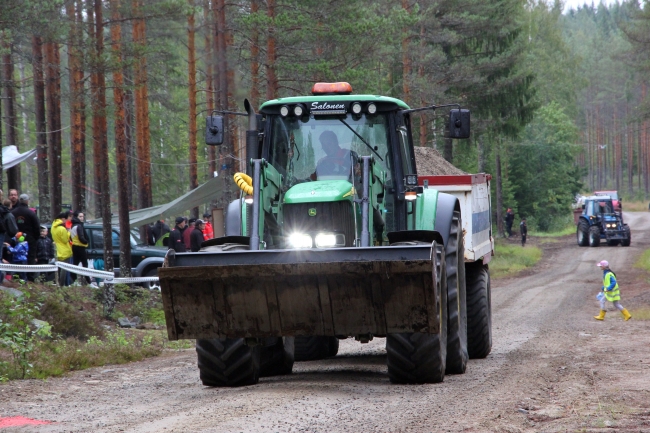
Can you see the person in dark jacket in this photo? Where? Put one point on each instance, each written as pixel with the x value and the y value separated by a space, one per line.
pixel 28 223
pixel 176 236
pixel 159 230
pixel 523 228
pixel 45 253
pixel 196 237
pixel 510 218
pixel 79 243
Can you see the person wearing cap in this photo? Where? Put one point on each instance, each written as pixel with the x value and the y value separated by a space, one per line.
pixel 196 237
pixel 176 236
pixel 208 231
pixel 19 252
pixel 187 233
pixel 610 292
pixel 523 229
pixel 27 223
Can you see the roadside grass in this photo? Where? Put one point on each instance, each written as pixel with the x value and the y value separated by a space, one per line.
pixel 49 331
pixel 569 230
pixel 644 261
pixel 510 259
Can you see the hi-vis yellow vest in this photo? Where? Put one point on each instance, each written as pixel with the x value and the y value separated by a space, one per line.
pixel 614 294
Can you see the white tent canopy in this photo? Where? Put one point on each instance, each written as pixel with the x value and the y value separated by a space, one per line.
pixel 11 156
pixel 203 194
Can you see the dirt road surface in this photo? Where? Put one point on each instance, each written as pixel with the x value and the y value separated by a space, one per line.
pixel 553 368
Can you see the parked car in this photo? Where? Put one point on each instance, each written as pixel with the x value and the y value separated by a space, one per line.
pixel 616 200
pixel 145 259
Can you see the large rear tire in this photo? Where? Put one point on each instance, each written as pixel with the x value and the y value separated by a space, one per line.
pixel 457 355
pixel 582 233
pixel 312 348
pixel 277 359
pixel 228 362
pixel 594 236
pixel 418 357
pixel 479 311
pixel 628 240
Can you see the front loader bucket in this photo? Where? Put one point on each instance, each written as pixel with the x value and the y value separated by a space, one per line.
pixel 273 293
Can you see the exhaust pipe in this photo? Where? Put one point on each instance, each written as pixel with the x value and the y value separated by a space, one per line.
pixel 252 137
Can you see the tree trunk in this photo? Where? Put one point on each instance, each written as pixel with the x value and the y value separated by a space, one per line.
pixel 142 112
pixel 221 56
pixel 406 60
pixel 53 92
pixel 191 61
pixel 271 78
pixel 209 56
pixel 121 156
pixel 44 211
pixel 77 150
pixel 255 60
pixel 9 120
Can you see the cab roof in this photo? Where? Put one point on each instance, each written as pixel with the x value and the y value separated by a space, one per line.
pixel 334 98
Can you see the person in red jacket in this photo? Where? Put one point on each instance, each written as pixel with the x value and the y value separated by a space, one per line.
pixel 188 232
pixel 208 231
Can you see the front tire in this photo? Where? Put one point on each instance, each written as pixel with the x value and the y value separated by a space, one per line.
pixel 418 357
pixel 457 355
pixel 479 311
pixel 582 233
pixel 628 239
pixel 151 285
pixel 594 236
pixel 228 362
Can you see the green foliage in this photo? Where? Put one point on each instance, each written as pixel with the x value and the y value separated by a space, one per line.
pixel 511 259
pixel 19 332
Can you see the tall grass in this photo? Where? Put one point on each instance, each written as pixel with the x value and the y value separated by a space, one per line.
pixel 510 259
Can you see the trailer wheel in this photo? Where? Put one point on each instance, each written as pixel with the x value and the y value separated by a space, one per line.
pixel 594 236
pixel 583 233
pixel 628 236
pixel 228 362
pixel 479 311
pixel 418 357
pixel 312 348
pixel 456 299
pixel 277 359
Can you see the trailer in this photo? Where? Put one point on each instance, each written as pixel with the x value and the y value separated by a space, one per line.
pixel 473 194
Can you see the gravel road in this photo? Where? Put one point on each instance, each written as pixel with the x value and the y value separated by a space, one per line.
pixel 552 368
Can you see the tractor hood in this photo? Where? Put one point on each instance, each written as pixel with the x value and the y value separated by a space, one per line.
pixel 319 192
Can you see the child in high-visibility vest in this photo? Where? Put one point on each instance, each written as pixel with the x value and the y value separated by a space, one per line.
pixel 610 292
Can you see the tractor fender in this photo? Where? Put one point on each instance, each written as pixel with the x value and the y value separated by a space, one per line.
pixel 233 218
pixel 445 208
pixel 147 264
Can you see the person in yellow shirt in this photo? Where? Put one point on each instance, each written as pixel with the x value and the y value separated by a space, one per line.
pixel 61 238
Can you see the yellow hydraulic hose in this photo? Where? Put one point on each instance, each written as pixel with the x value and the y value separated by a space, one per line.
pixel 244 182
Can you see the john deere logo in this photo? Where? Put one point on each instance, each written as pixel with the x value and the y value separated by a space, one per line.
pixel 312 212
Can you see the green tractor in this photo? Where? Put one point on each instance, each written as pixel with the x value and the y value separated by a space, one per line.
pixel 331 238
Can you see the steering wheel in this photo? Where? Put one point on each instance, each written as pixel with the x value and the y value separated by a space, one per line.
pixel 332 166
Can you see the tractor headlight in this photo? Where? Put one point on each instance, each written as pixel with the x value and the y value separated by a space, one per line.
pixel 372 108
pixel 356 108
pixel 330 240
pixel 298 110
pixel 284 111
pixel 300 240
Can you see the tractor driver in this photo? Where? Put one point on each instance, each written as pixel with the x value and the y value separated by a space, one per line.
pixel 337 161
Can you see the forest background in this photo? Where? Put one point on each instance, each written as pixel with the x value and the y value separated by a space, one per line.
pixel 112 93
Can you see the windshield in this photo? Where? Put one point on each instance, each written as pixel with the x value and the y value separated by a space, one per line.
pixel 326 147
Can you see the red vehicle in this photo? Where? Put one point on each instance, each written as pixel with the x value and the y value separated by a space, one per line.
pixel 616 200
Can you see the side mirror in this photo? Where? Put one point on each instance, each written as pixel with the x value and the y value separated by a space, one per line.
pixel 459 123
pixel 214 130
